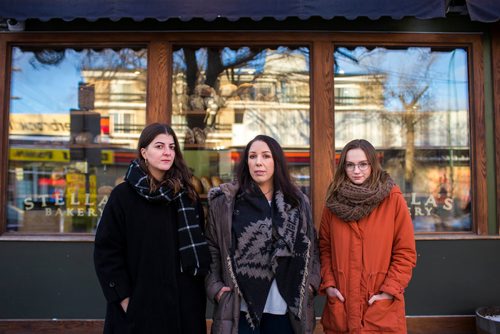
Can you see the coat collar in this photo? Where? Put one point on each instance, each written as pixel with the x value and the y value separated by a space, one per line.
pixel 228 190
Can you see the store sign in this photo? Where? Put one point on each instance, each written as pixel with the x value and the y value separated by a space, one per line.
pixel 62 155
pixel 39 124
pixel 79 198
pixel 29 154
pixel 71 206
pixel 424 205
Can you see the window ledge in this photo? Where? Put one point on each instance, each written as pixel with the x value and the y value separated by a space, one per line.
pixel 454 236
pixel 86 237
pixel 66 237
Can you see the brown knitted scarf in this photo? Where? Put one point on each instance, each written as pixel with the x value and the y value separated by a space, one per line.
pixel 352 202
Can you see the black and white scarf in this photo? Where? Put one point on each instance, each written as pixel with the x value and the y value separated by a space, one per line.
pixel 193 248
pixel 270 242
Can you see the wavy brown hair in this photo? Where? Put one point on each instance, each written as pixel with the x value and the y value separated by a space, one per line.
pixel 178 176
pixel 341 174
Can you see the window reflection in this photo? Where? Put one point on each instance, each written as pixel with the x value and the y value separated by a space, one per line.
pixel 223 97
pixel 412 104
pixel 75 117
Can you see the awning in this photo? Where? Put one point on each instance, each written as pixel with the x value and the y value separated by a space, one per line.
pixel 479 10
pixel 484 10
pixel 209 10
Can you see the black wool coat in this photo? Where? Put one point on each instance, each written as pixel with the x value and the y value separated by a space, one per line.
pixel 136 256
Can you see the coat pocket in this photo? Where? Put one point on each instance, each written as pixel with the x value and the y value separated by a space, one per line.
pixel 117 321
pixel 130 308
pixel 310 317
pixel 222 327
pixel 334 315
pixel 224 308
pixel 384 315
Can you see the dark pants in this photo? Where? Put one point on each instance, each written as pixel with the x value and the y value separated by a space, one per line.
pixel 269 324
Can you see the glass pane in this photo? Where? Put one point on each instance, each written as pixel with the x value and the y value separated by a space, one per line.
pixel 224 97
pixel 75 118
pixel 412 104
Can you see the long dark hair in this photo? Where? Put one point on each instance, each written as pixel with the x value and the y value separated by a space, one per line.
pixel 176 177
pixel 341 174
pixel 281 177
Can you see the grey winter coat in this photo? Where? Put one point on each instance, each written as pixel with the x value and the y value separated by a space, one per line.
pixel 218 232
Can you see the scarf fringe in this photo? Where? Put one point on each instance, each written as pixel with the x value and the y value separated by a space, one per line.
pixel 237 288
pixel 231 273
pixel 303 287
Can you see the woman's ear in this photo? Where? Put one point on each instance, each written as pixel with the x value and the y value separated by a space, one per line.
pixel 143 153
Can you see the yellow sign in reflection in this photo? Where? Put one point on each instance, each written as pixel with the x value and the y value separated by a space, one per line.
pixel 62 155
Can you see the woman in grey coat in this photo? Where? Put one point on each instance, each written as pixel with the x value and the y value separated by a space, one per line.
pixel 265 265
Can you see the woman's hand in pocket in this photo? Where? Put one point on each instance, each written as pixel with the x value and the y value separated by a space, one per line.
pixel 221 292
pixel 379 296
pixel 124 304
pixel 334 292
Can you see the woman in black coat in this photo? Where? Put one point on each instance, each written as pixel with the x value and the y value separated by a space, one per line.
pixel 150 251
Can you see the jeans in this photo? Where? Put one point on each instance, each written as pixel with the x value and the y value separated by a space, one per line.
pixel 269 324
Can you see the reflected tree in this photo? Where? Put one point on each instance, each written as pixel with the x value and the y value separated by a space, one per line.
pixel 408 101
pixel 214 66
pixel 110 76
pixel 413 99
pixel 106 62
pixel 204 70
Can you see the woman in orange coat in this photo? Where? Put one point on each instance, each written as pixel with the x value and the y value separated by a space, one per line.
pixel 367 247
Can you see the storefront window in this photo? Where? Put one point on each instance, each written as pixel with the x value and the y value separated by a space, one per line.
pixel 412 104
pixel 75 118
pixel 223 97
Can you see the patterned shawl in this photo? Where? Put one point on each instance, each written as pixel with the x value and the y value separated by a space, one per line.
pixel 270 242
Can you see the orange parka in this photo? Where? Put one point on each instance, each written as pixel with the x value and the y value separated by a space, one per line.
pixel 362 258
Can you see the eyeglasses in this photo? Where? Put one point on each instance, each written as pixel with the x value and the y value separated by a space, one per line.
pixel 362 166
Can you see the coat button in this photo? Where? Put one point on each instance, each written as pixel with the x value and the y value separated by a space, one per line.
pixel 112 284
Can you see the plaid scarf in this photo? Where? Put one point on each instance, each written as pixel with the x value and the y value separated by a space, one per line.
pixel 270 243
pixel 193 248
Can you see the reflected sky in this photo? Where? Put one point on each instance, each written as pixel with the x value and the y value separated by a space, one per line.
pixel 38 88
pixel 445 72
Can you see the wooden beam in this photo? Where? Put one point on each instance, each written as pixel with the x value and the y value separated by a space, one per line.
pixel 5 68
pixel 322 141
pixel 479 191
pixel 159 108
pixel 495 63
pixel 460 324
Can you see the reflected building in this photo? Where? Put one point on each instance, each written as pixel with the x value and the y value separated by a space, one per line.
pixel 120 99
pixel 438 191
pixel 271 98
pixel 62 164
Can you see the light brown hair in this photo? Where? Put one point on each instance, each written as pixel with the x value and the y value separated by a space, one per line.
pixel 341 174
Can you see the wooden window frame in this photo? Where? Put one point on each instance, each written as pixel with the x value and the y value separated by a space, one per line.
pixel 321 46
pixel 495 61
pixel 473 44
